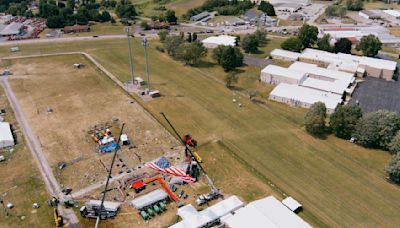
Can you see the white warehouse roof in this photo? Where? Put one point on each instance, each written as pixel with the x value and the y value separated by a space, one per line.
pixel 282 71
pixel 393 13
pixel 291 203
pixel 285 54
pixel 378 63
pixel 6 136
pixel 332 74
pixel 148 199
pixel 267 212
pixel 306 95
pixel 194 219
pixel 11 29
pixel 220 40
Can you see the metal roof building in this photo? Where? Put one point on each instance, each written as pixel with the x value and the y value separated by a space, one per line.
pixel 191 218
pixel 149 199
pixel 267 212
pixel 6 136
pixel 12 29
pixel 215 41
pixel 285 55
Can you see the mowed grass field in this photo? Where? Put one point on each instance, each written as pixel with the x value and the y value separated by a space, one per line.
pixel 21 183
pixel 339 183
pixel 146 7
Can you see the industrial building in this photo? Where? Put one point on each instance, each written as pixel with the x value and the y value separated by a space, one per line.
pixel 191 218
pixel 368 14
pixel 200 16
pixel 12 29
pixel 299 96
pixel 274 75
pixel 285 55
pixel 215 41
pixel 290 7
pixel 267 212
pixel 6 136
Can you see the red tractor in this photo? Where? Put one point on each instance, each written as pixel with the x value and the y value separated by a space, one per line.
pixel 189 140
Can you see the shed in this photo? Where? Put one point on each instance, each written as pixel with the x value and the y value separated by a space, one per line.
pixel 6 136
pixel 292 204
pixel 149 199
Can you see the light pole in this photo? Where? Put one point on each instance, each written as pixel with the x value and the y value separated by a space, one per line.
pixel 145 43
pixel 130 53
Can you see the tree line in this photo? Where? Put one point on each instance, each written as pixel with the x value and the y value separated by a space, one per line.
pixel 308 37
pixel 380 129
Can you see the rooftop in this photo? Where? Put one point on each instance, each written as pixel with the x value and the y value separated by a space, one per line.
pixel 306 95
pixel 285 54
pixel 267 212
pixel 282 71
pixel 393 13
pixel 220 40
pixel 5 132
pixel 12 29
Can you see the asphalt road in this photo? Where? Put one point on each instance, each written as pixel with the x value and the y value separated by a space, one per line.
pixel 33 143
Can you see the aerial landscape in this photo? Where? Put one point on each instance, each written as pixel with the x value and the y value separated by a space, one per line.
pixel 200 113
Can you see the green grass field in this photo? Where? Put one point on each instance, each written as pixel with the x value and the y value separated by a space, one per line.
pixel 146 7
pixel 21 183
pixel 340 184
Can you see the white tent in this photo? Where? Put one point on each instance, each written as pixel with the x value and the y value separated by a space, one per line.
pixel 149 199
pixel 6 136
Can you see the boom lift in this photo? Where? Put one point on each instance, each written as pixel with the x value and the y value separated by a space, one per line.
pixel 214 193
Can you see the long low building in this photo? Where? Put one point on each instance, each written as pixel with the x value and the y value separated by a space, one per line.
pixel 299 96
pixel 6 136
pixel 215 41
pixel 284 55
pixel 274 75
pixel 267 212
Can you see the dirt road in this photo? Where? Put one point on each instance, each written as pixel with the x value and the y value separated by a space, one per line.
pixel 33 143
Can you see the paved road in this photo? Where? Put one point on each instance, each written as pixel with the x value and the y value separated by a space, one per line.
pixel 258 62
pixel 33 143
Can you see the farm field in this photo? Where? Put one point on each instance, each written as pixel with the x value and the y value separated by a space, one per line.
pixel 339 183
pixel 21 183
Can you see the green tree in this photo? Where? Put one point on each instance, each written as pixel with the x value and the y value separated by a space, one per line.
pixel 308 35
pixel 105 16
pixel 394 145
pixel 125 9
pixel 228 57
pixel 369 45
pixel 393 168
pixel 324 43
pixel 314 119
pixel 292 44
pixel 261 35
pixel 170 17
pixel 55 22
pixel 267 8
pixel 163 35
pixel 343 45
pixel 230 79
pixel 171 44
pixel 344 120
pixel 377 129
pixel 250 43
pixel 191 53
pixel 354 5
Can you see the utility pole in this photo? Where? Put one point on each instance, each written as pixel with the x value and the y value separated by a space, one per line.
pixel 145 43
pixel 108 179
pixel 127 29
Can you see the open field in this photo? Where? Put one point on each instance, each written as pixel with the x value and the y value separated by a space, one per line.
pixel 339 183
pixel 182 6
pixel 80 99
pixel 21 183
pixel 101 29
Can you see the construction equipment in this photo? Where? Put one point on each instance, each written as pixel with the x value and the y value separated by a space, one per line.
pixel 58 219
pixel 214 190
pixel 144 215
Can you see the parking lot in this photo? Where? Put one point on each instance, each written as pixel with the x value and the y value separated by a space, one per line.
pixel 374 94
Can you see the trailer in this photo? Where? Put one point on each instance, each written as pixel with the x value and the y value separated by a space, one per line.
pixel 92 208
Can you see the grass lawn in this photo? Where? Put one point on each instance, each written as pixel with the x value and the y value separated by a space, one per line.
pixel 21 183
pixel 339 183
pixel 272 43
pixel 182 6
pixel 147 7
pixel 101 29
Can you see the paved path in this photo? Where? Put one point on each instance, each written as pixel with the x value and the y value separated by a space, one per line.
pixel 258 62
pixel 33 143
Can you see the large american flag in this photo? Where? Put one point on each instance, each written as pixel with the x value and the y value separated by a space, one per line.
pixel 163 165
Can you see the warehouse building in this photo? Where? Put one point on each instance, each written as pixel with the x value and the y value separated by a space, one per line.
pixel 215 41
pixel 6 136
pixel 267 212
pixel 290 7
pixel 200 16
pixel 274 75
pixel 191 218
pixel 299 96
pixel 368 14
pixel 284 55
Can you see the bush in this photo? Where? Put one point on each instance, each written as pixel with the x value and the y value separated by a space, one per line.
pixel 314 119
pixel 377 129
pixel 394 145
pixel 292 44
pixel 393 168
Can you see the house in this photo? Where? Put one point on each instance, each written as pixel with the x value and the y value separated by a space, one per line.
pixel 6 136
pixel 267 212
pixel 76 28
pixel 215 41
